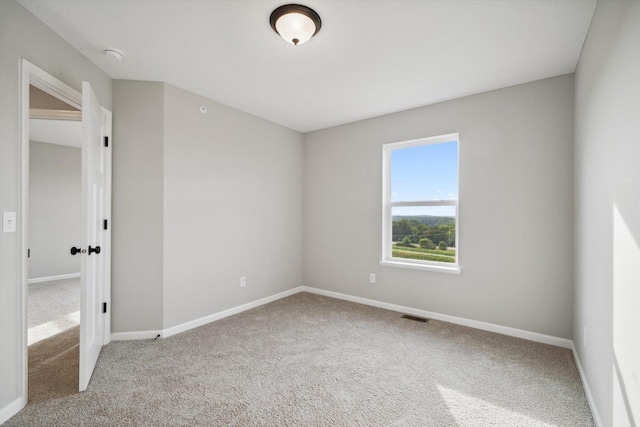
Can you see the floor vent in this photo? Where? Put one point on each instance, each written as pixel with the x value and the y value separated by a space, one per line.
pixel 414 318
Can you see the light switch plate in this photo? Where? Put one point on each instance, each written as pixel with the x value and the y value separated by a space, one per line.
pixel 9 222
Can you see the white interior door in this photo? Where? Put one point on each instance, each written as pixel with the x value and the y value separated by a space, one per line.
pixel 94 181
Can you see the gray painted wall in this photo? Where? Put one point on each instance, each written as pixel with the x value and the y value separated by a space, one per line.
pixel 516 208
pixel 199 200
pixel 516 183
pixel 607 262
pixel 22 35
pixel 233 207
pixel 54 209
pixel 137 210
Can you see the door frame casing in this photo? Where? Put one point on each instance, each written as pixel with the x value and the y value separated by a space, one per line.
pixel 32 75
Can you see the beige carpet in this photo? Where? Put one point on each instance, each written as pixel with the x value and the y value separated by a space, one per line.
pixel 308 360
pixel 54 307
pixel 53 366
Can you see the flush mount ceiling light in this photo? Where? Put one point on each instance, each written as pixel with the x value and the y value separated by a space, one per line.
pixel 295 23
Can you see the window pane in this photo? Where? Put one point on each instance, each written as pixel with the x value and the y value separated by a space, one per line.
pixel 426 172
pixel 425 233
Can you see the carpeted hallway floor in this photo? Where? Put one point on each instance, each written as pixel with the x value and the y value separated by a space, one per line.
pixel 54 307
pixel 54 337
pixel 54 366
pixel 308 360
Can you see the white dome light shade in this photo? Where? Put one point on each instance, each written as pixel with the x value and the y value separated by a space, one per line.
pixel 295 23
pixel 295 28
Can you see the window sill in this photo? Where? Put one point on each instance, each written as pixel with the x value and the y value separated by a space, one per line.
pixel 424 267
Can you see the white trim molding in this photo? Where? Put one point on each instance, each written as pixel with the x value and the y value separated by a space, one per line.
pixel 587 390
pixel 36 113
pixel 424 267
pixel 31 75
pixel 138 335
pixel 491 327
pixel 387 258
pixel 141 335
pixel 226 313
pixel 504 330
pixel 11 409
pixel 51 278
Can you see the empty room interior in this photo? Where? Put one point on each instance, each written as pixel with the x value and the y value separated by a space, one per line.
pixel 357 213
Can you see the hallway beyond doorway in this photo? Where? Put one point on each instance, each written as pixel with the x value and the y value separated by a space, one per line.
pixel 53 308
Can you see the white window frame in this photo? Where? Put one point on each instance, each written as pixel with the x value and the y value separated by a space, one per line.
pixel 388 205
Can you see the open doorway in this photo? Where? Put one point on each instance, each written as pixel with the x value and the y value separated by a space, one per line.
pixel 94 245
pixel 55 162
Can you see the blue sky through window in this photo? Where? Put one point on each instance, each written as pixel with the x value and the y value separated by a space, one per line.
pixel 426 172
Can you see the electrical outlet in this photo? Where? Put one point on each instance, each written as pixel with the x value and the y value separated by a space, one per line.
pixel 243 282
pixel 372 278
pixel 584 337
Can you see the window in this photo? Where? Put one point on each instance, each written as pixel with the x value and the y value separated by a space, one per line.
pixel 420 204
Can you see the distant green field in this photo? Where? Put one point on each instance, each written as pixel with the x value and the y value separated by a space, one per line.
pixel 423 254
pixel 449 252
pixel 425 219
pixel 415 228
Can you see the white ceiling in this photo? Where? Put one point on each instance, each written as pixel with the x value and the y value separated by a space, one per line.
pixel 370 58
pixel 60 132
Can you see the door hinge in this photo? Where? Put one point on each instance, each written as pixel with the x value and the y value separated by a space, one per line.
pixel 104 307
pixel 28 253
pixel 106 141
pixel 105 224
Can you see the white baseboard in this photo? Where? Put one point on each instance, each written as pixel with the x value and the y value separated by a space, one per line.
pixel 11 409
pixel 587 389
pixel 504 330
pixel 137 335
pixel 50 278
pixel 143 335
pixel 226 313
